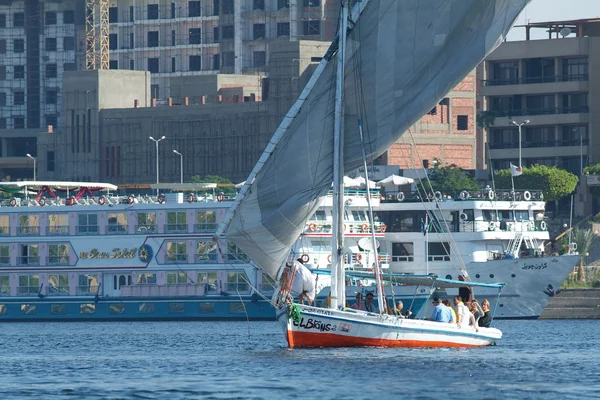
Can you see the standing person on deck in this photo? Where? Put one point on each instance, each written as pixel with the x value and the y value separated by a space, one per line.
pixel 465 292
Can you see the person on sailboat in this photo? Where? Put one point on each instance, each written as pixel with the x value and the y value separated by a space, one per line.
pixel 304 283
pixel 486 320
pixel 465 318
pixel 369 306
pixel 441 313
pixel 359 302
pixel 465 292
pixel 399 312
pixel 446 302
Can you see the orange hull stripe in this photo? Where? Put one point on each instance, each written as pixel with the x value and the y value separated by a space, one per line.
pixel 308 339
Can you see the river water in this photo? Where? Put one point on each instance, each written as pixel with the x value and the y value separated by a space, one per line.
pixel 239 360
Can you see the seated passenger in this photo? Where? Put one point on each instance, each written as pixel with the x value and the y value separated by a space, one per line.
pixel 441 313
pixel 369 306
pixel 465 318
pixel 476 310
pixel 399 310
pixel 446 302
pixel 486 320
pixel 359 303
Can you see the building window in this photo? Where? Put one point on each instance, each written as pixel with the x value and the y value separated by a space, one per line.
pixel 51 96
pixel 433 111
pixel 505 73
pixel 283 4
pixel 312 27
pixel 153 39
pixel 2 99
pixel 113 41
pixel 258 5
pixel 216 61
pixel 227 32
pixel 228 58
pixel 18 98
pixel 113 14
pixel 2 46
pixel 195 63
pixel 50 18
pixel 2 123
pixel 574 103
pixel 540 104
pixel 51 71
pixel 113 64
pixel 575 69
pixel 18 45
pixel 227 7
pixel 69 43
pixel 216 34
pixel 2 72
pixel 131 65
pixel 19 122
pixel 172 10
pixel 50 160
pixel 195 36
pixel 176 252
pixel 2 20
pixel 68 67
pixel 462 122
pixel 260 59
pixel 19 72
pixel 69 17
pixel 50 44
pixel 283 29
pixel 153 65
pixel 131 40
pixel 18 19
pixel 173 64
pixel 194 8
pixel 258 31
pixel 152 11
pixel 504 138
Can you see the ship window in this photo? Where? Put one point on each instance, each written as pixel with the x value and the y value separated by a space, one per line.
pixel 29 255
pixel 122 281
pixel 489 215
pixel 235 254
pixel 58 254
pixel 28 309
pixel 206 221
pixel 177 278
pixel 268 283
pixel 87 308
pixel 4 225
pixel 4 285
pixel 146 308
pixel 118 308
pixel 359 216
pixel 505 215
pixel 117 223
pixel 3 309
pixel 176 221
pixel 58 309
pixel 4 255
pixel 88 224
pixel 237 282
pixel 210 280
pixel 146 279
pixel 206 251
pixel 320 246
pixel 58 284
pixel 206 307
pixel 146 222
pixel 176 252
pixel 176 308
pixel 29 225
pixel 438 251
pixel 58 224
pixel 29 284
pixel 319 215
pixel 522 215
pixel 88 284
pixel 402 252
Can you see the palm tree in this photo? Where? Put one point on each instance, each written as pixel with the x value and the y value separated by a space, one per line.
pixel 585 239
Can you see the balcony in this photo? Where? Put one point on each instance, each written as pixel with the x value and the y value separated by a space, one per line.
pixel 87 229
pixel 28 290
pixel 206 227
pixel 28 260
pixel 176 258
pixel 116 229
pixel 145 228
pixel 57 230
pixel 4 261
pixel 4 291
pixel 58 290
pixel 4 231
pixel 537 144
pixel 206 258
pixel 538 79
pixel 58 260
pixel 86 290
pixel 537 111
pixel 176 228
pixel 29 230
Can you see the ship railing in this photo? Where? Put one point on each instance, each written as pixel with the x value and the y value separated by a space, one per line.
pixel 170 289
pixel 239 287
pixel 29 230
pixel 235 258
pixel 5 260
pixel 57 230
pixel 146 228
pixel 403 258
pixel 479 195
pixel 4 290
pixel 58 260
pixel 4 231
pixel 116 229
pixel 350 227
pixel 28 290
pixel 206 227
pixel 206 258
pixel 87 229
pixel 28 260
pixel 176 228
pixel 58 290
pixel 86 290
pixel 501 226
pixel 176 258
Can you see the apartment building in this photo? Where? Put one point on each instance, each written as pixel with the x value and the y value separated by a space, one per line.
pixel 551 89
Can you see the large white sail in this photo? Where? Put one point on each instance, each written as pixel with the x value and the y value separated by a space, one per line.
pixel 402 58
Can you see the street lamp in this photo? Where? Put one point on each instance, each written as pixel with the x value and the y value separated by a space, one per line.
pixel 156 141
pixel 520 125
pixel 34 164
pixel 180 165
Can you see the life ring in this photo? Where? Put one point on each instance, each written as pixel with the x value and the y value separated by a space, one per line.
pixel 312 227
pixel 527 195
pixel 130 199
pixel 379 258
pixel 305 258
pixel 492 226
pixel 543 225
pixel 383 228
pixel 464 195
pixel 358 257
pixel 438 195
pixel 191 198
pixel 161 198
pixel 400 196
pixel 102 200
pixel 364 227
pixel 574 246
pixel 329 259
pixel 13 202
pixel 491 195
pixel 463 217
pixel 42 201
pixel 344 227
pixel 221 197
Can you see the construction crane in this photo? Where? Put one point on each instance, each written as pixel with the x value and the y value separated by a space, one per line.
pixel 96 34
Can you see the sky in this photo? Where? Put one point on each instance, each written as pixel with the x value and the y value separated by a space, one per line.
pixel 554 10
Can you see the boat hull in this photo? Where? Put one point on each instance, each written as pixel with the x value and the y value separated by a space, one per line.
pixel 316 327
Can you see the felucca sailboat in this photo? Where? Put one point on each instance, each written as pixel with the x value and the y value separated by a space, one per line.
pixel 391 62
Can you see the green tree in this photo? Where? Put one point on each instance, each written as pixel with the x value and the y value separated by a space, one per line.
pixel 593 170
pixel 448 179
pixel 584 238
pixel 555 183
pixel 210 179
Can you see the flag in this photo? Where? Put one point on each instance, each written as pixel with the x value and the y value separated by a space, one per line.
pixel 425 224
pixel 515 171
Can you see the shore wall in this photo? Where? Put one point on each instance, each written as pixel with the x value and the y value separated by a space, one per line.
pixel 574 304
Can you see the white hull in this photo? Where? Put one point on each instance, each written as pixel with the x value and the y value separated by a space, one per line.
pixel 318 327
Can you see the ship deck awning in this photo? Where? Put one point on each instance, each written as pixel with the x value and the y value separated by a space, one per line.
pixel 58 185
pixel 184 186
